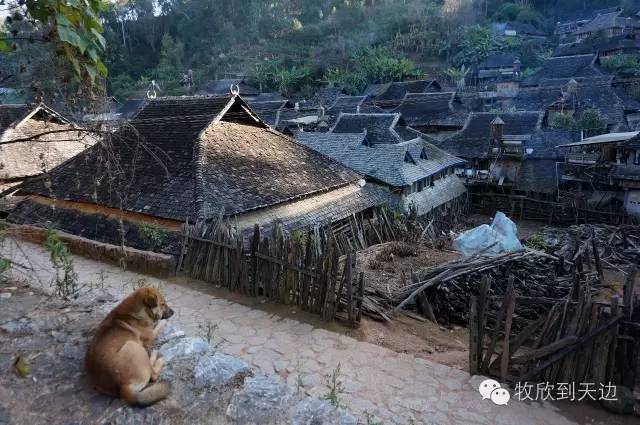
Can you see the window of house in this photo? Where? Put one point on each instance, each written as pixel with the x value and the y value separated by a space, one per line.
pixel 423 154
pixel 408 158
pixel 366 142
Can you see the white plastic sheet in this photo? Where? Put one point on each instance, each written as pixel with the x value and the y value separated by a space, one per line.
pixel 500 237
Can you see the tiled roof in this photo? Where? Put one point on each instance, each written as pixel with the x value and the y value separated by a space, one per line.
pixel 325 97
pixel 192 165
pixel 131 107
pixel 544 143
pixel 565 67
pixel 223 87
pixel 395 92
pixel 264 97
pixel 269 111
pixel 604 21
pixel 344 104
pixel 387 163
pixel 500 60
pixel 424 109
pixel 600 45
pixel 590 94
pixel 474 139
pixel 323 208
pixel 538 175
pixel 378 127
pixel 54 140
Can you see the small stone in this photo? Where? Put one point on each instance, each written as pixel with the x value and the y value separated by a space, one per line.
pixel 183 347
pixel 279 366
pixel 5 295
pixel 262 400
pixel 213 371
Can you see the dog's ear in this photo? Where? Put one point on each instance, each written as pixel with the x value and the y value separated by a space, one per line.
pixel 150 300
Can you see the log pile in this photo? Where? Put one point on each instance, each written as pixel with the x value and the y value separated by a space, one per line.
pixel 618 246
pixel 448 287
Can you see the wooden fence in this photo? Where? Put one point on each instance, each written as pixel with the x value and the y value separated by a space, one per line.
pixel 575 340
pixel 523 207
pixel 303 269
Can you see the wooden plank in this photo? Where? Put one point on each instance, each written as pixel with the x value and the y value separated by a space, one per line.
pixel 627 299
pixel 287 265
pixel 212 242
pixel 474 343
pixel 496 331
pixel 360 296
pixel 506 353
pixel 561 354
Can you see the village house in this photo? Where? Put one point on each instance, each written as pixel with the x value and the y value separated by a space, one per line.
pixel 568 28
pixel 518 29
pixel 414 173
pixel 437 114
pixel 270 111
pixel 605 170
pixel 34 139
pixel 625 45
pixel 574 97
pixel 508 151
pixel 194 158
pixel 503 66
pixel 554 68
pixel 389 96
pixel 608 25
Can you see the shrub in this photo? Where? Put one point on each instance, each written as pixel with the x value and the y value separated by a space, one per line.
pixel 65 282
pixel 153 236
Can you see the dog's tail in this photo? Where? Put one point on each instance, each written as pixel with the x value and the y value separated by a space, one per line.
pixel 146 396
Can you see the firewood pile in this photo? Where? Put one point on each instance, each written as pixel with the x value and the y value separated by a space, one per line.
pixel 618 246
pixel 442 292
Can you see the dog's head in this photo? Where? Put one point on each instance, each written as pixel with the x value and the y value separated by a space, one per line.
pixel 155 304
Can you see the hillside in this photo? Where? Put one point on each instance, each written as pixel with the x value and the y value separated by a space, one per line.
pixel 296 45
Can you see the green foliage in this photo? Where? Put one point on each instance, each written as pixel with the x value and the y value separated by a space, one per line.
pixel 370 66
pixel 537 241
pixel 75 25
pixel 591 123
pixel 478 42
pixel 153 236
pixel 563 122
pixel 65 282
pixel 519 12
pixel 170 69
pixel 335 388
pixel 274 75
pixel 625 66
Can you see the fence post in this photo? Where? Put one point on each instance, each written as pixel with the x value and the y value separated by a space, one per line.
pixel 473 336
pixel 255 241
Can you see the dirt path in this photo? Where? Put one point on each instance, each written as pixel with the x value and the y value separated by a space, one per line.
pixel 396 388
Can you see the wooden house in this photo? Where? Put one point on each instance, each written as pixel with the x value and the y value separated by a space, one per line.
pixel 605 169
pixel 413 172
pixel 194 158
pixel 509 151
pixel 35 139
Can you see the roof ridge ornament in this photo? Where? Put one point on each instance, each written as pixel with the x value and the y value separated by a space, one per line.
pixel 153 89
pixel 234 90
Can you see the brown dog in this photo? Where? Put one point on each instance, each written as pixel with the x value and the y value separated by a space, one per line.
pixel 117 361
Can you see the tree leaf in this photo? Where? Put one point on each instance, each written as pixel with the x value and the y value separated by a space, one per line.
pixel 102 69
pixel 92 71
